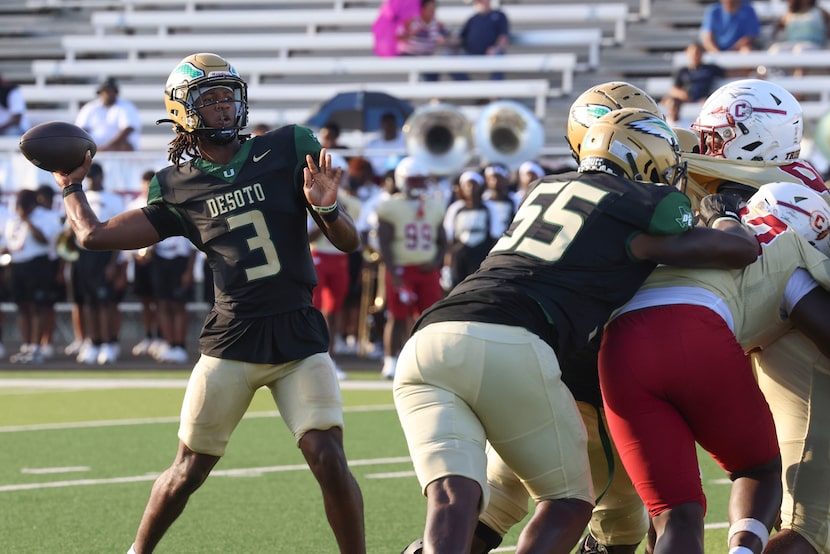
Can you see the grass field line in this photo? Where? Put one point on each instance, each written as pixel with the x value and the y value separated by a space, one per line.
pixel 150 383
pixel 238 472
pixel 156 420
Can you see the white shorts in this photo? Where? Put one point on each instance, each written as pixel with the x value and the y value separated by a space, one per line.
pixel 306 392
pixel 459 384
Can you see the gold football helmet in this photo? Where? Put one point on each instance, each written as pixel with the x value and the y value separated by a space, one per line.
pixel 598 101
pixel 689 140
pixel 635 144
pixel 195 74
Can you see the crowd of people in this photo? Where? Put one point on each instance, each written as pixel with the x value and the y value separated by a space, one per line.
pixel 414 28
pixel 44 267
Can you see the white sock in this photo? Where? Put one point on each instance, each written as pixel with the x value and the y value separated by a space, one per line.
pixel 132 549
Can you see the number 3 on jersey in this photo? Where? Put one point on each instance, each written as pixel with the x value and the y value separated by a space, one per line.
pixel 544 226
pixel 261 240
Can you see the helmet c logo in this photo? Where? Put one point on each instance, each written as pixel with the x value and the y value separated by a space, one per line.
pixel 819 222
pixel 740 110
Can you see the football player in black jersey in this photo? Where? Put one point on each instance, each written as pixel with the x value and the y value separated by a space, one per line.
pixel 481 365
pixel 243 201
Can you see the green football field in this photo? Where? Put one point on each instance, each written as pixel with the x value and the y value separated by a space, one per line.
pixel 79 453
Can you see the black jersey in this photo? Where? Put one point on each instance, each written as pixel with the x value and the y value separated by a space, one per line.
pixel 564 264
pixel 249 217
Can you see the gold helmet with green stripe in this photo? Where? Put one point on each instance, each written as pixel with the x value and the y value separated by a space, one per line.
pixel 191 78
pixel 598 101
pixel 635 144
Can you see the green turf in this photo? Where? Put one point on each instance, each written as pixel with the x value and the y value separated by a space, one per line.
pixel 95 504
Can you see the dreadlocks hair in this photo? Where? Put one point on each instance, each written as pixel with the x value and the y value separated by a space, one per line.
pixel 183 144
pixel 187 144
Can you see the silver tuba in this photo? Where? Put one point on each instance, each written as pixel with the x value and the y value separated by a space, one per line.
pixel 66 247
pixel 509 133
pixel 440 136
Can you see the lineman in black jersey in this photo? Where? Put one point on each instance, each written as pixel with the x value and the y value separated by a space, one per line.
pixel 244 202
pixel 482 365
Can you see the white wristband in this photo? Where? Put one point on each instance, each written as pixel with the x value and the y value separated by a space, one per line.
pixel 325 209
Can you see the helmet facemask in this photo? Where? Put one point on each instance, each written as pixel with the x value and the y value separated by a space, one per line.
pixel 192 86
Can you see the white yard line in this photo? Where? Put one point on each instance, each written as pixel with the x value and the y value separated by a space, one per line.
pixel 169 419
pixel 113 383
pixel 239 472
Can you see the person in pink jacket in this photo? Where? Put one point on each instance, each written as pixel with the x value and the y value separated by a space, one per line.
pixel 391 15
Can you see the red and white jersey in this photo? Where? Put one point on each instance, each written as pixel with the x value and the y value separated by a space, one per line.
pixel 708 172
pixel 416 222
pixel 754 297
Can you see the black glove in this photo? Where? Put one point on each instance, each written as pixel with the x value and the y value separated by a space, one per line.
pixel 716 206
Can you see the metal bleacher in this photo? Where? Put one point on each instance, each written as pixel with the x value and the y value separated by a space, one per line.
pixel 64 59
pixel 133 41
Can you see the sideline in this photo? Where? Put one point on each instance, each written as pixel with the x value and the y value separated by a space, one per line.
pixel 115 383
pixel 239 472
pixel 168 419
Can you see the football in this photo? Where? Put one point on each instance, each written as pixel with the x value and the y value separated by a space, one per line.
pixel 56 146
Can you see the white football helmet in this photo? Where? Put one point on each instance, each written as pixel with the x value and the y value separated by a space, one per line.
pixel 411 176
pixel 751 119
pixel 800 207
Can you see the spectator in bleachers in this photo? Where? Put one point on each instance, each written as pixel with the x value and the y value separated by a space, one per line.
pixel 691 83
pixel 96 279
pixel 13 120
pixel 371 190
pixel 329 136
pixel 391 15
pixel 805 26
pixel 143 261
pixel 45 195
pixel 30 234
pixel 4 269
pixel 112 121
pixel 384 151
pixel 422 35
pixel 730 25
pixel 467 227
pixel 260 129
pixel 486 33
pixel 528 172
pixel 172 277
pixel 497 197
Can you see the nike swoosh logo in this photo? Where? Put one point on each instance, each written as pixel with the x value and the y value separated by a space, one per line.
pixel 257 158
